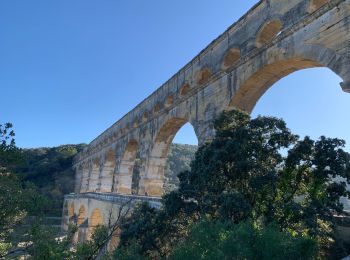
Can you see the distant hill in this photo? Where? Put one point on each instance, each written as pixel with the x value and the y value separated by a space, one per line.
pixel 179 160
pixel 50 169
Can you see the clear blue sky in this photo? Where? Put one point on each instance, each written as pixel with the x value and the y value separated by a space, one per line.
pixel 70 68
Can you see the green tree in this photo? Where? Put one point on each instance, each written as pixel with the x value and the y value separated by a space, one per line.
pixel 43 243
pixel 17 199
pixel 218 240
pixel 254 169
pixel 11 208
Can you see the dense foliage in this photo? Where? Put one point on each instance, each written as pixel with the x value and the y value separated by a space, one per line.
pixel 17 199
pixel 50 170
pixel 255 170
pixel 218 240
pixel 28 179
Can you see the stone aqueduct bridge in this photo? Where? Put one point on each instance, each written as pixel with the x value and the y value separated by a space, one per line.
pixel 274 39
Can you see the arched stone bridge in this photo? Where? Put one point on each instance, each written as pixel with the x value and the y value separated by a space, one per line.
pixel 274 39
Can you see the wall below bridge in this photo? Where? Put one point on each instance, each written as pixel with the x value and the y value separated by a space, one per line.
pixel 89 210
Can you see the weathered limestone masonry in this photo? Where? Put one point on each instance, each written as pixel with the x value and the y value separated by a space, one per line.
pixel 274 39
pixel 88 210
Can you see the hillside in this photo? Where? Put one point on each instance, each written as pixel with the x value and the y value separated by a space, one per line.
pixel 179 159
pixel 50 169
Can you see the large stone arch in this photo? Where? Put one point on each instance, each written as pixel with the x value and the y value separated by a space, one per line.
pixel 71 214
pixel 84 187
pixel 153 181
pixel 79 174
pixel 95 220
pixel 107 172
pixel 269 71
pixel 94 175
pixel 267 74
pixel 81 215
pixel 126 167
pixel 114 241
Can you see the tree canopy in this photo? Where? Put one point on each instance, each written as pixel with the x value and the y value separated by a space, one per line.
pixel 255 170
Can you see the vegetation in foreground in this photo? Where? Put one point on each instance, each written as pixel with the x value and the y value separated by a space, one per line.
pixel 257 191
pixel 255 180
pixel 33 183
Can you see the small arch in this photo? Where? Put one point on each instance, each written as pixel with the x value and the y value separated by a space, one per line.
pixel 204 76
pixel 185 89
pixel 169 101
pixel 232 56
pixel 135 123
pixel 268 32
pixel 316 4
pixel 126 168
pixel 81 215
pixel 126 128
pixel 145 116
pixel 157 108
pixel 95 218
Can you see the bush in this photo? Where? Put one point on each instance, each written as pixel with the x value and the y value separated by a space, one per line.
pixel 217 240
